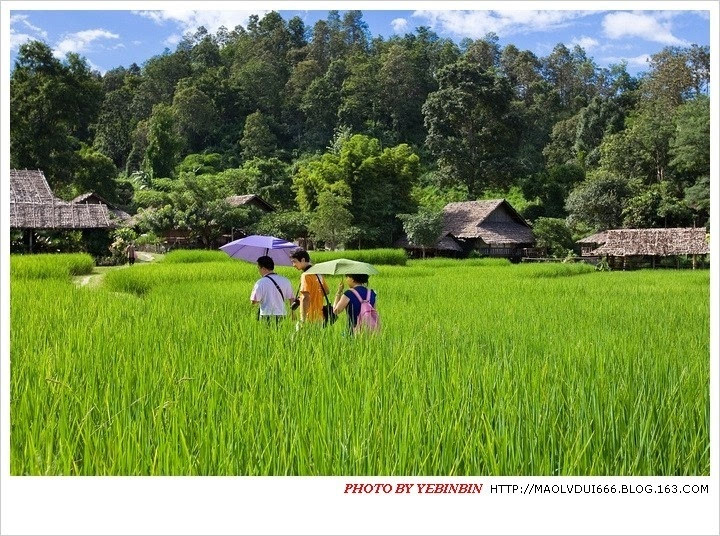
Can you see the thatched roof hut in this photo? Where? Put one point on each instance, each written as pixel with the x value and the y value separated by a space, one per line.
pixel 493 227
pixel 250 200
pixel 94 199
pixel 493 221
pixel 654 242
pixel 33 206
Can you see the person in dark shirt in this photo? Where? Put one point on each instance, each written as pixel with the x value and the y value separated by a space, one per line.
pixel 349 301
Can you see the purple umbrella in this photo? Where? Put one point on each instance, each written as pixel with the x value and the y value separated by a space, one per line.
pixel 252 247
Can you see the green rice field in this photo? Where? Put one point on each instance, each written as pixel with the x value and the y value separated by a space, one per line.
pixel 481 368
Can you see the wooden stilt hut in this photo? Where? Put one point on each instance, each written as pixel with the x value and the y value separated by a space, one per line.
pixel 629 246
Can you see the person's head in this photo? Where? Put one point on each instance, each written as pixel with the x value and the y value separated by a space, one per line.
pixel 265 264
pixel 357 279
pixel 300 259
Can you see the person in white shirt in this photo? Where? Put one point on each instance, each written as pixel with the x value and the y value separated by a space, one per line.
pixel 271 291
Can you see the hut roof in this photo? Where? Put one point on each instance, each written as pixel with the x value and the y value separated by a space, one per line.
pixel 250 199
pixel 60 215
pixel 33 206
pixel 467 219
pixel 597 238
pixel 93 198
pixel 661 242
pixel 505 233
pixel 29 186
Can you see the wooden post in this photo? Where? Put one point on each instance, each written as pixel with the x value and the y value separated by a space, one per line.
pixel 30 239
pixel 694 261
pixel 624 257
pixel 653 261
pixel 677 262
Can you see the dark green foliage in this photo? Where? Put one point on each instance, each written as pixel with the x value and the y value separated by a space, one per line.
pixel 288 224
pixel 257 141
pixel 552 187
pixel 658 205
pixel 287 112
pixel 52 105
pixel 163 142
pixel 554 235
pixel 598 202
pixel 95 172
pixel 470 126
pixel 690 149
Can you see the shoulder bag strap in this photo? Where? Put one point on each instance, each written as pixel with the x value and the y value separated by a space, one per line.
pixel 282 296
pixel 322 287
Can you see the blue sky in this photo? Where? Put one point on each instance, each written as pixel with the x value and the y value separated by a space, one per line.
pixel 110 39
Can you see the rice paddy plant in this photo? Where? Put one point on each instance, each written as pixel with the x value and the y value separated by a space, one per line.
pixel 50 266
pixel 556 270
pixel 195 255
pixel 386 256
pixel 478 370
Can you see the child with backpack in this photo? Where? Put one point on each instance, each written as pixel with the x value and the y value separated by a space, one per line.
pixel 359 301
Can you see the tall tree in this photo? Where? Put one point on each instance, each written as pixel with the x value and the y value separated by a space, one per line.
pixel 52 105
pixel 598 202
pixel 257 140
pixel 163 149
pixel 471 128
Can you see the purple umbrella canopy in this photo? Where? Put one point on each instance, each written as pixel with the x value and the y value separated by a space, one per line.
pixel 252 247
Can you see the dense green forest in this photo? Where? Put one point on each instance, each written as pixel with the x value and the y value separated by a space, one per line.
pixel 342 131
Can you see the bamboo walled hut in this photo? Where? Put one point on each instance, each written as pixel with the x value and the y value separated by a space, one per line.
pixel 33 207
pixel 630 246
pixel 491 227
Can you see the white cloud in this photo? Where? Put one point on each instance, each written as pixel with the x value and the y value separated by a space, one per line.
pixel 81 41
pixel 190 20
pixel 636 61
pixel 399 25
pixel 655 27
pixel 586 43
pixel 476 24
pixel 136 43
pixel 28 32
pixel 172 40
pixel 24 20
pixel 17 39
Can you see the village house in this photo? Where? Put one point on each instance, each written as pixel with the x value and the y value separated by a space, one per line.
pixel 33 207
pixel 491 228
pixel 630 247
